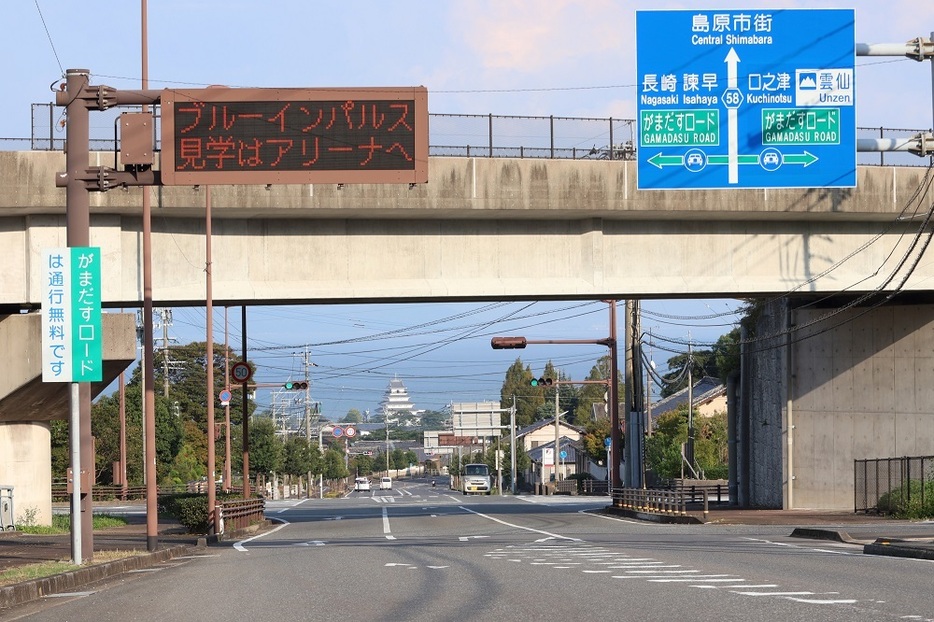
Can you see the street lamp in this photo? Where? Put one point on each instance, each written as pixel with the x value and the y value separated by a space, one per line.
pixel 616 440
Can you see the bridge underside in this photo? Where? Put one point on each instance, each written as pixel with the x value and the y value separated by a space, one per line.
pixel 481 229
pixel 276 261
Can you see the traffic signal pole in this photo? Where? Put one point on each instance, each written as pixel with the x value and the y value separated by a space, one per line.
pixel 616 439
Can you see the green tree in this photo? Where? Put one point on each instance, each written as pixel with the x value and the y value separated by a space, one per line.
pixel 266 450
pixel 518 384
pixel 333 464
pixel 663 448
pixel 297 457
pixel 353 416
pixel 185 467
pixel 594 440
pixel 434 420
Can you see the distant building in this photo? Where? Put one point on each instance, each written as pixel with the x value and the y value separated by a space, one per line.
pixel 397 407
pixel 709 397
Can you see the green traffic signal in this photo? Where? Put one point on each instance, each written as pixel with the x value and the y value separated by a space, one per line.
pixel 295 386
pixel 542 382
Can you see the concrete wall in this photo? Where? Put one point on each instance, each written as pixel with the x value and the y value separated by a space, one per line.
pixel 26 456
pixel 481 229
pixel 860 388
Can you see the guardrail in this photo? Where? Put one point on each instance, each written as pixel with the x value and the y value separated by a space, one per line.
pixel 240 513
pixel 667 502
pixel 110 493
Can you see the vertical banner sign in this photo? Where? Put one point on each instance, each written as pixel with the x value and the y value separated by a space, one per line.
pixel 71 315
pixel 751 98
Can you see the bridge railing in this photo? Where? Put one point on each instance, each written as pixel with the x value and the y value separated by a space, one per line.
pixel 460 135
pixel 666 502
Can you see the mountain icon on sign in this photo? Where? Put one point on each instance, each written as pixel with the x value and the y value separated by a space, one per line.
pixel 807 81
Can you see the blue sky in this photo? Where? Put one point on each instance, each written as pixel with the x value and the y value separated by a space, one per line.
pixel 560 57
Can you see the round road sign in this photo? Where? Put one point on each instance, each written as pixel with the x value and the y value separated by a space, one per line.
pixel 350 431
pixel 224 396
pixel 241 371
pixel 338 432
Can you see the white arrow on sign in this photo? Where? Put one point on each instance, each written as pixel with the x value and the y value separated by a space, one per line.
pixel 732 69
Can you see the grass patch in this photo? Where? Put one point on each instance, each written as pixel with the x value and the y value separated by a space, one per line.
pixel 40 570
pixel 61 524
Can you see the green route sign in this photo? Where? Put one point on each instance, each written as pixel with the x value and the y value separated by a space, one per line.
pixel 691 128
pixel 801 126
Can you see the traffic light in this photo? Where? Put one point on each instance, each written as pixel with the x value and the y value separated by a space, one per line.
pixel 542 382
pixel 297 385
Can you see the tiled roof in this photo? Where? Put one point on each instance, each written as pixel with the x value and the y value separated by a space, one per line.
pixel 705 389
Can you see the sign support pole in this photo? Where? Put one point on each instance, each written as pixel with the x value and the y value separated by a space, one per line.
pixel 77 219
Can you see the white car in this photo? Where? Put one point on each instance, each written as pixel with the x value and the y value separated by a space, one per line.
pixel 385 483
pixel 361 484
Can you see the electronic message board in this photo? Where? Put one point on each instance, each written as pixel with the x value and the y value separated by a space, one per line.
pixel 223 135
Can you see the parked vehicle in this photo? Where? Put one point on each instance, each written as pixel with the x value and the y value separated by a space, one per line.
pixel 476 479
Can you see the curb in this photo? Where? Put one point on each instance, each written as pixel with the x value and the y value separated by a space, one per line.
pixel 651 517
pixel 26 591
pixel 823 534
pixel 899 548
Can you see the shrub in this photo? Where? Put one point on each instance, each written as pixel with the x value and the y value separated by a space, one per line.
pixel 905 501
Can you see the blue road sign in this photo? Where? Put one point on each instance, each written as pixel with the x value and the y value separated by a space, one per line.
pixel 758 98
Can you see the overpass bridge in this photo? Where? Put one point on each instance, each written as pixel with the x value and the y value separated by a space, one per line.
pixel 511 229
pixel 482 228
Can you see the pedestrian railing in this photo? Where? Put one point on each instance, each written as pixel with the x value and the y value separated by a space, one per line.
pixel 667 502
pixel 240 513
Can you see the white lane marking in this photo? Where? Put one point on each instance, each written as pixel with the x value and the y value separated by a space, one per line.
pixel 803 548
pixel 818 601
pixel 386 529
pixel 775 593
pixel 502 522
pixel 466 538
pixel 68 594
pixel 311 543
pixel 239 545
pixel 393 564
pixel 438 567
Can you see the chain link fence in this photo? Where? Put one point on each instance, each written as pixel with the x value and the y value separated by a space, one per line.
pixel 462 135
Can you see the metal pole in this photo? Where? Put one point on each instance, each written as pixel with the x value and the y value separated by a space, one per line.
pixel 245 416
pixel 213 519
pixel 152 491
pixel 74 425
pixel 556 435
pixel 227 474
pixel 245 427
pixel 616 440
pixel 123 482
pixel 78 223
pixel 628 395
pixel 512 440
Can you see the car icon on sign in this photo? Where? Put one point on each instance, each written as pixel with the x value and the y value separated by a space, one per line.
pixel 695 159
pixel 770 159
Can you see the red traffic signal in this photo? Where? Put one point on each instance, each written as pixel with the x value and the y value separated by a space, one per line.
pixel 542 382
pixel 508 343
pixel 297 385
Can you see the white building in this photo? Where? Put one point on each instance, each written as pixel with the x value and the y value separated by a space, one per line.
pixel 397 407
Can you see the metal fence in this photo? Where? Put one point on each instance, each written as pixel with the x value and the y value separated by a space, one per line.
pixel 893 485
pixel 462 135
